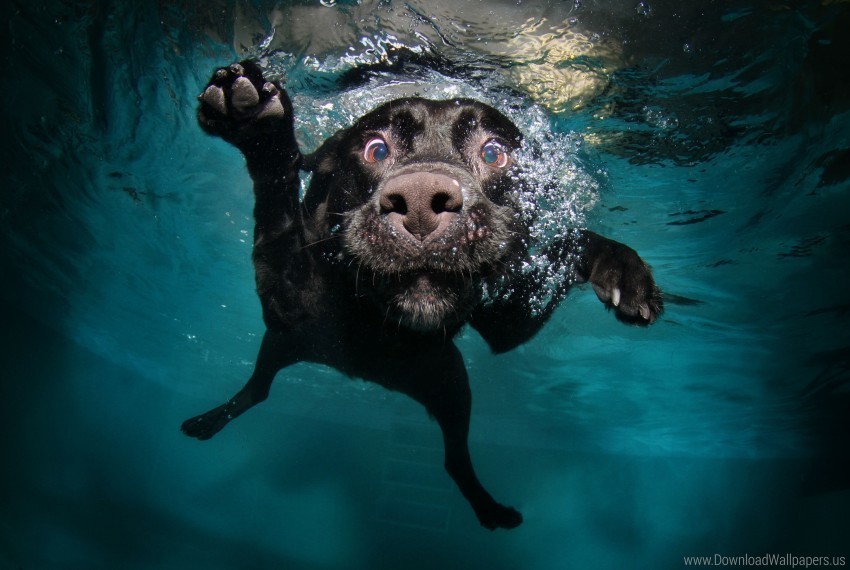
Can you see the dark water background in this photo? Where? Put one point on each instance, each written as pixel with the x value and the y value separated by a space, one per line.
pixel 713 137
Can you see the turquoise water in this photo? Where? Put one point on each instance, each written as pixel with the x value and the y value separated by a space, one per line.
pixel 713 138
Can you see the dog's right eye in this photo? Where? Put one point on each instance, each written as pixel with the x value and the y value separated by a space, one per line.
pixel 494 154
pixel 376 150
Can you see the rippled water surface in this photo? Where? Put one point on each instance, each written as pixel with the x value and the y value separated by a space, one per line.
pixel 713 137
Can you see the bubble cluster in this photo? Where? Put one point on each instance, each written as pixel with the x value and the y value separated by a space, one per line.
pixel 559 187
pixel 659 118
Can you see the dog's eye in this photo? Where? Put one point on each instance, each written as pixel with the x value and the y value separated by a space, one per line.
pixel 494 154
pixel 376 150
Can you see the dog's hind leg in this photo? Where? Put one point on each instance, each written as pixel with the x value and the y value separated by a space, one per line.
pixel 271 359
pixel 454 423
pixel 444 390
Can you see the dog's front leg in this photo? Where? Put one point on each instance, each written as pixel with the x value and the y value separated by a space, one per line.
pixel 272 358
pixel 256 116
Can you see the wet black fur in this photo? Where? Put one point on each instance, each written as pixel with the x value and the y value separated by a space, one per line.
pixel 340 285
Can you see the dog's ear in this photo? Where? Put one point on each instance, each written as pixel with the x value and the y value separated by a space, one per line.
pixel 324 157
pixel 324 163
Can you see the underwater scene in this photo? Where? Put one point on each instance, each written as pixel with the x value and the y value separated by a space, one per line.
pixel 712 137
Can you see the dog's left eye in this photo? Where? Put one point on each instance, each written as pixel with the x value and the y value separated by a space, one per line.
pixel 376 150
pixel 494 154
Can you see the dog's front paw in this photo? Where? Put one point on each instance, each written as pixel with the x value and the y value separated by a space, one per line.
pixel 623 281
pixel 238 104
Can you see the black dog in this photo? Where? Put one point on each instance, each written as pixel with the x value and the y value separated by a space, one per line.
pixel 410 229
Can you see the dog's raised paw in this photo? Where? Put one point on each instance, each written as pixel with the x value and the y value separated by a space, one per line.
pixel 238 104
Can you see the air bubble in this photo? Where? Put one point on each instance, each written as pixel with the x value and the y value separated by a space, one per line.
pixel 659 118
pixel 643 9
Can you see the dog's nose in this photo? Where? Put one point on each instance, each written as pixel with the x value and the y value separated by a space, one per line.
pixel 422 204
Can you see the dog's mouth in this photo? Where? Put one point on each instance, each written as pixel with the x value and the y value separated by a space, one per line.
pixel 471 241
pixel 423 286
pixel 424 301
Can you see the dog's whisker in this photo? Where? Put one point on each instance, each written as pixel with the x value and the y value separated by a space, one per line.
pixel 318 241
pixel 357 279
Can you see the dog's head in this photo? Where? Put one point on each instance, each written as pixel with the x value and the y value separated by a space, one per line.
pixel 422 196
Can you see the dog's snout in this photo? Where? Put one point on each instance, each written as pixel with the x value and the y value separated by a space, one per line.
pixel 422 204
